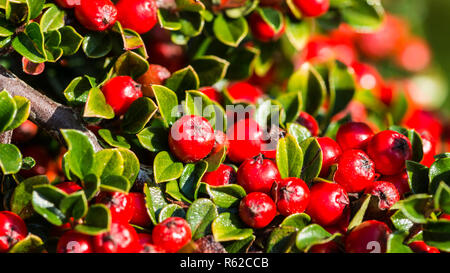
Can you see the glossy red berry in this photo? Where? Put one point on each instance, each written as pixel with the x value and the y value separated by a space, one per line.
pixel 140 215
pixel 421 247
pixel 120 205
pixel 145 238
pixel 291 196
pixel 309 122
pixel 212 93
pixel 257 210
pixel 221 141
pixel 355 172
pixel 68 187
pixel 12 230
pixel 327 203
pixel 74 242
pixel 172 234
pixel 120 92
pixel 245 138
pixel 262 31
pixel 243 91
pixel 386 192
pixel 312 8
pixel 389 150
pixel 96 15
pixel 138 15
pixel 156 74
pixel 67 4
pixel 25 132
pixel 429 148
pixel 330 247
pixel 258 175
pixel 368 237
pixel 191 138
pixel 353 135
pixel 330 152
pixel 224 175
pixel 414 55
pixel 400 181
pixel 367 77
pixel 122 238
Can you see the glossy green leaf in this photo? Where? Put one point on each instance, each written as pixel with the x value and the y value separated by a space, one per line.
pixel 8 110
pixel 30 43
pixel 281 239
pixel 312 161
pixel 154 200
pixel 230 31
pixel 116 141
pixel 226 196
pixel 417 177
pixel 200 216
pixel 131 64
pixel 107 162
pixel 52 19
pixel 311 235
pixel 71 40
pixel 96 106
pixel 31 244
pixel 182 80
pixel 191 176
pixel 131 165
pixel 80 154
pixel 46 200
pixel 167 104
pixel 77 91
pixel 97 44
pixel 439 171
pixel 292 105
pixel 416 207
pixel 210 69
pixel 74 205
pixel 297 220
pixel 138 115
pixel 228 227
pixel 165 167
pixel 442 198
pixel 289 157
pixel 10 159
pixel 299 132
pixel 97 220
pixel 23 108
pixel 115 183
pixel 22 195
pixel 298 32
pixel 395 243
pixel 154 138
pixel 171 210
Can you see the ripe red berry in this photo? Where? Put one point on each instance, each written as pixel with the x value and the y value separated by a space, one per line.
pixel 389 150
pixel 140 215
pixel 429 148
pixel 257 175
pixel 243 91
pixel 309 122
pixel 444 216
pixel 221 141
pixel 67 4
pixel 353 135
pixel 191 138
pixel 421 247
pixel 245 138
pixel 330 247
pixel 414 55
pixel 262 31
pixel 96 15
pixel 400 181
pixel 369 237
pixel 291 196
pixel 68 187
pixel 12 230
pixel 318 50
pixel 138 15
pixel 386 192
pixel 120 92
pixel 25 132
pixel 120 205
pixel 145 238
pixel 257 210
pixel 367 77
pixel 312 8
pixel 74 242
pixel 172 234
pixel 156 74
pixel 224 175
pixel 355 171
pixel 330 152
pixel 327 203
pixel 212 93
pixel 121 238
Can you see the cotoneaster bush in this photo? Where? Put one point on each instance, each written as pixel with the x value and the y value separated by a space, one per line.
pixel 149 126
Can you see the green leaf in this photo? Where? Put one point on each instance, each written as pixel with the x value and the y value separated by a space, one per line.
pixel 281 239
pixel 165 168
pixel 52 19
pixel 216 158
pixel 230 31
pixel 71 40
pixel 107 162
pixel 312 160
pixel 442 198
pixel 34 8
pixel 23 107
pixel 31 244
pixel 113 140
pixel 341 86
pixel 416 207
pixel 171 210
pixel 28 163
pixel 115 183
pixel 131 64
pixel 138 115
pixel 74 205
pixel 167 103
pixel 10 159
pixel 292 105
pixel 91 186
pixel 417 177
pixel 401 222
pixel 182 80
pixel 191 176
pixel 30 43
pixel 200 216
pixel 297 220
pixel 22 195
pixel 289 157
pixel 131 165
pixel 80 154
pixel 77 91
pixel 395 243
pixel 154 138
pixel 199 104
pixel 239 246
pixel 46 200
pixel 226 196
pixel 358 217
pixel 168 20
pixel 273 17
pixel 96 106
pixel 97 44
pixel 210 69
pixel 299 132
pixel 228 227
pixel 173 189
pixel 363 15
pixel 131 39
pixel 8 110
pixel 242 62
pixel 154 200
pixel 312 235
pixel 298 32
pixel 192 24
pixel 437 233
pixel 97 221
pixel 439 171
pixel 189 5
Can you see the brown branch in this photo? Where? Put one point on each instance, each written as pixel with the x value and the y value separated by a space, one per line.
pixel 46 113
pixel 5 137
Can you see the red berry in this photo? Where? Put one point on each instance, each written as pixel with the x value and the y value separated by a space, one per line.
pixel 191 138
pixel 369 237
pixel 400 181
pixel 309 122
pixel 257 175
pixel 429 148
pixel 245 137
pixel 212 93
pixel 120 205
pixel 68 187
pixel 422 120
pixel 167 54
pixel 330 152
pixel 421 247
pixel 121 238
pixel 444 216
pixel 96 15
pixel 120 92
pixel 12 230
pixel 327 203
pixel 414 55
pixel 257 210
pixel 291 196
pixel 243 91
pixel 172 234
pixel 355 171
pixel 221 141
pixel 330 247
pixel 138 15
pixel 262 31
pixel 312 8
pixel 317 50
pixel 25 132
pixel 389 150
pixel 224 175
pixel 150 248
pixel 156 74
pixel 145 238
pixel 74 242
pixel 140 215
pixel 367 77
pixel 386 192
pixel 353 135
pixel 67 4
